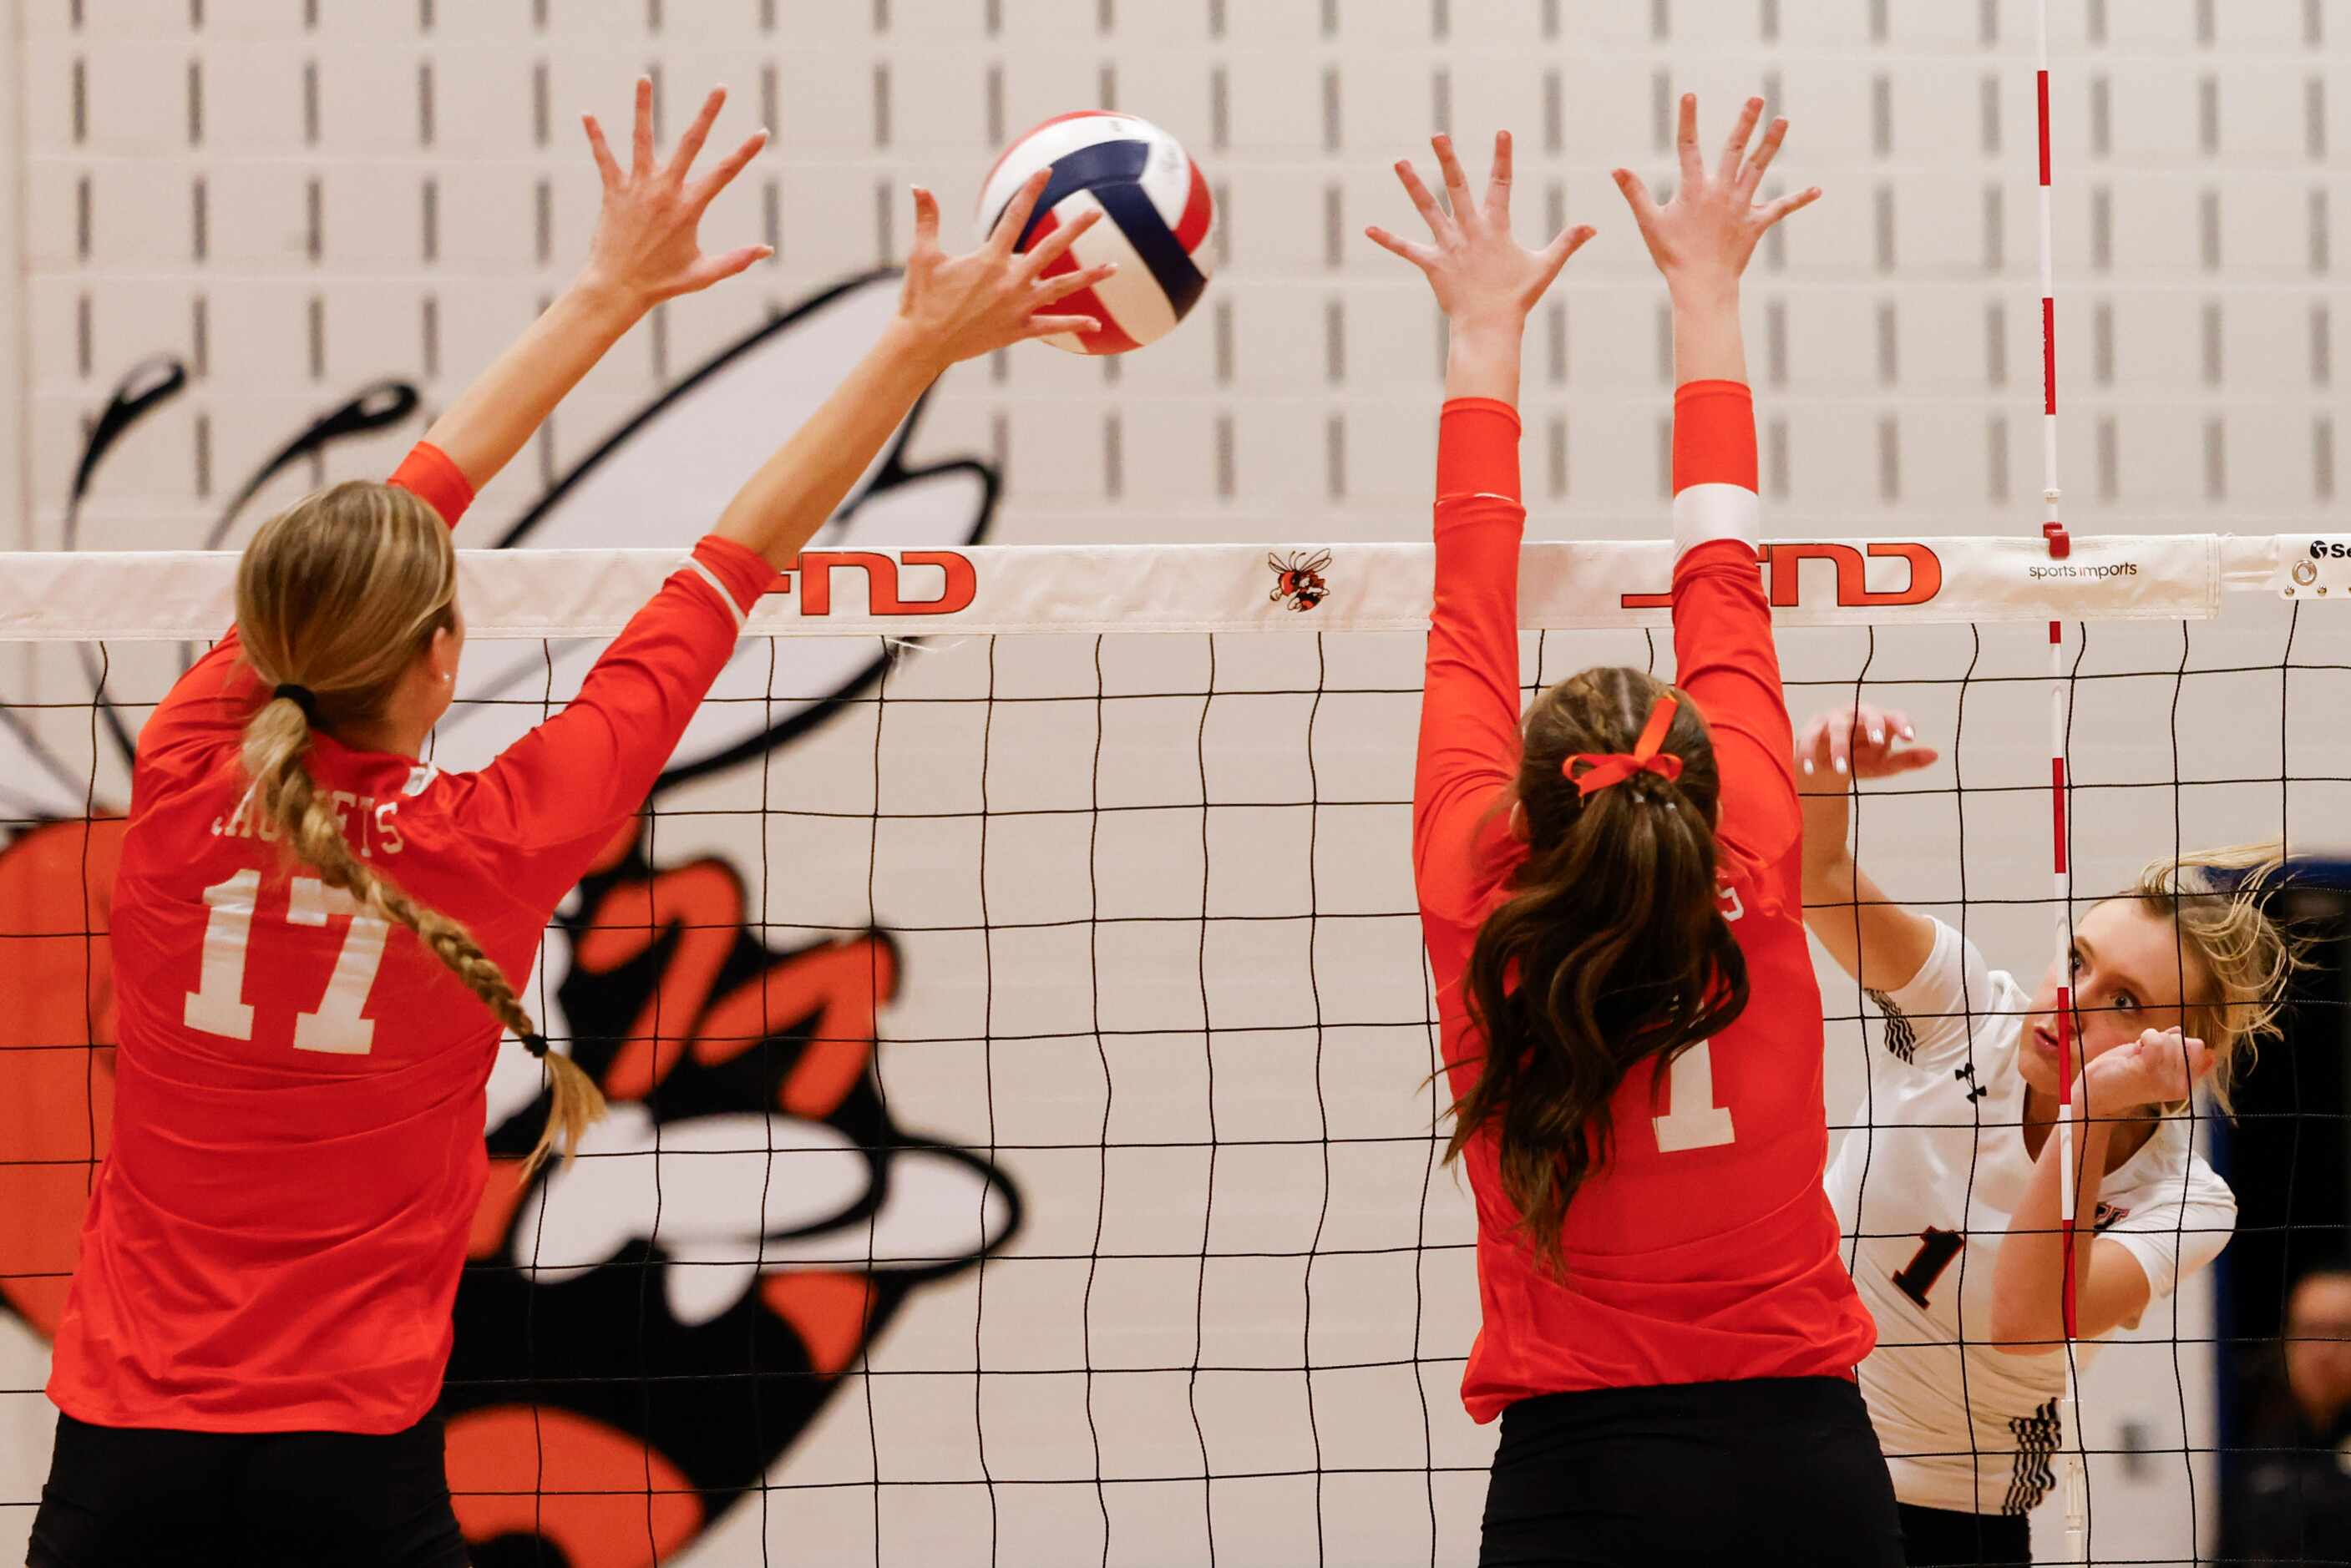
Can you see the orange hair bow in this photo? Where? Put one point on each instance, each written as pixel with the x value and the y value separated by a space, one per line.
pixel 1614 767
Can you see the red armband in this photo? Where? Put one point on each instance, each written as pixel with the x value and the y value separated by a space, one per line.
pixel 427 473
pixel 742 574
pixel 1714 464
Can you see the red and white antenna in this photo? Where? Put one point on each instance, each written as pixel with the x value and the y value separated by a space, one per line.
pixel 2053 529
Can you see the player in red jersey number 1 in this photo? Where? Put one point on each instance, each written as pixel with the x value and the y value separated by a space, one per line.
pixel 1609 890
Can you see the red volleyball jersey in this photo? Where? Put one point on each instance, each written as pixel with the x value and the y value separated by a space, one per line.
pixel 1705 1249
pixel 276 1232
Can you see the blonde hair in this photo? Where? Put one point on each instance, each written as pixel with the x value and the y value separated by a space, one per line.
pixel 336 598
pixel 2212 899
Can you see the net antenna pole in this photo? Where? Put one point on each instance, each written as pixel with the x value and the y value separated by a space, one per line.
pixel 2075 1463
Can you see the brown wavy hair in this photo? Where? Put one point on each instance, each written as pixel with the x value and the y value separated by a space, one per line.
pixel 340 595
pixel 1612 949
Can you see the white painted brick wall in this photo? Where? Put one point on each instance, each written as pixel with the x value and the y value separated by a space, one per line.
pixel 2216 392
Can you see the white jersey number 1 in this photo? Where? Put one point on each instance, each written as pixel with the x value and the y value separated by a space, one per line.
pixel 1693 1120
pixel 217 1005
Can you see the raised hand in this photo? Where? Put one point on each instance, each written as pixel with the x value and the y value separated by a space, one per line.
pixel 1702 238
pixel 1482 275
pixel 2161 1067
pixel 1857 742
pixel 646 248
pixel 961 306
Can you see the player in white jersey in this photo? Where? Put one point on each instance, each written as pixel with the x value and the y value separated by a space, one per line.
pixel 1952 1196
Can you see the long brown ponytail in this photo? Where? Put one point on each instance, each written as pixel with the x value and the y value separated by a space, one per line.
pixel 1611 951
pixel 336 599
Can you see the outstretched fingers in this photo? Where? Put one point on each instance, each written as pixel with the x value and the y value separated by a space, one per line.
pixel 1439 225
pixel 1059 287
pixel 1497 181
pixel 640 160
pixel 1752 177
pixel 706 189
pixel 1637 197
pixel 1566 244
pixel 717 268
pixel 1686 143
pixel 1734 150
pixel 1771 213
pixel 607 166
pixel 926 222
pixel 1006 236
pixel 689 146
pixel 1052 248
pixel 1055 326
pixel 1421 256
pixel 1456 182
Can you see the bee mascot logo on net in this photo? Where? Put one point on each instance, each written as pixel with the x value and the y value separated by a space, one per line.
pixel 635 1349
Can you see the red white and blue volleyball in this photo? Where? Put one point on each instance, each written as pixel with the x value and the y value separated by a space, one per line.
pixel 1156 219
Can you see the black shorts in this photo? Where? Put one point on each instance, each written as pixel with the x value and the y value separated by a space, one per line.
pixel 1767 1471
pixel 1945 1538
pixel 132 1497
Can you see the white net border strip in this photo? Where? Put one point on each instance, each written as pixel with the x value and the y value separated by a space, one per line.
pixel 180 596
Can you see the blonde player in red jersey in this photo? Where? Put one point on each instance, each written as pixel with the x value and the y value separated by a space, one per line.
pixel 315 935
pixel 1609 891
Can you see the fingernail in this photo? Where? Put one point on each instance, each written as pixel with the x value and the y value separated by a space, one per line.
pixel 1808 765
pixel 1908 733
pixel 1840 763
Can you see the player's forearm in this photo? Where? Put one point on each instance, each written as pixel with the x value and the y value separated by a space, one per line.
pixel 1708 343
pixel 1482 357
pixel 2028 1313
pixel 508 402
pixel 795 493
pixel 1831 889
pixel 1828 863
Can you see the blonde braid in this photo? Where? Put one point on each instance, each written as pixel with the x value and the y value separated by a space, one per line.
pixel 337 592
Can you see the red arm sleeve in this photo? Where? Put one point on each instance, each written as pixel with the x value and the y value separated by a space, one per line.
pixel 554 798
pixel 427 472
pixel 1469 705
pixel 1722 625
pixel 220 691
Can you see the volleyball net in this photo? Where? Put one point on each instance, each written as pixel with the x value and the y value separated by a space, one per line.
pixel 1024 1144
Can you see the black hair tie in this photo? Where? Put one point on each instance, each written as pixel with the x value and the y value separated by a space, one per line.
pixel 301 697
pixel 535 1043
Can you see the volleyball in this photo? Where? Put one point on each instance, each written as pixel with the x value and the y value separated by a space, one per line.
pixel 1156 218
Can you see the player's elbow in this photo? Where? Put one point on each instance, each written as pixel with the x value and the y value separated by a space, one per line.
pixel 2017 1330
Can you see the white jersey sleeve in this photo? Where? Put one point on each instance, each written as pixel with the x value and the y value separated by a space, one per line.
pixel 1953 1003
pixel 2172 1226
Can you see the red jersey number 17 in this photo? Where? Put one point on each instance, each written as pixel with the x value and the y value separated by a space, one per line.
pixel 217 1005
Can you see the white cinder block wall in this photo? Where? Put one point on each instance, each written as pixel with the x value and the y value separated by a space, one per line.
pixel 297 197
